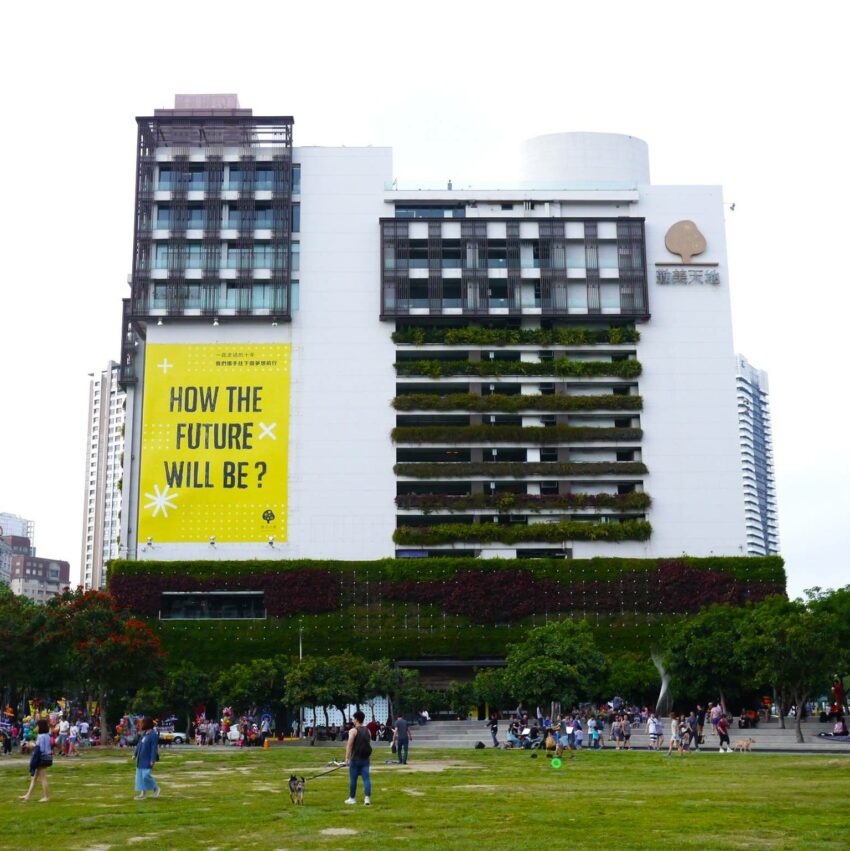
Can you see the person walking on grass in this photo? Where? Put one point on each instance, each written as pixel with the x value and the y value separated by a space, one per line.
pixel 674 734
pixel 358 752
pixel 146 755
pixel 41 760
pixel 402 736
pixel 723 732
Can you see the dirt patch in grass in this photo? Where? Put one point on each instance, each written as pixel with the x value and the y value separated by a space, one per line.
pixel 338 831
pixel 487 786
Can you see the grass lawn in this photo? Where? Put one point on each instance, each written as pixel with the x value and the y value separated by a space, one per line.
pixel 451 799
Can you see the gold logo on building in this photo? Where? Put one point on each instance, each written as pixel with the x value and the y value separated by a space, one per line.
pixel 684 238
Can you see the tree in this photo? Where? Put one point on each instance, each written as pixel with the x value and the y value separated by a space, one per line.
pixel 18 623
pixel 100 649
pixel 558 661
pixel 308 683
pixel 791 647
pixel 260 682
pixel 836 606
pixel 186 688
pixel 461 696
pixel 489 687
pixel 633 677
pixel 699 653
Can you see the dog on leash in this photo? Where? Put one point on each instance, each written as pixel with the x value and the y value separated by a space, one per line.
pixel 296 790
pixel 744 745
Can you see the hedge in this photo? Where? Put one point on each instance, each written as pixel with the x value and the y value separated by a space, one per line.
pixel 517 469
pixel 519 402
pixel 512 502
pixel 475 335
pixel 748 568
pixel 553 533
pixel 557 366
pixel 395 631
pixel 513 434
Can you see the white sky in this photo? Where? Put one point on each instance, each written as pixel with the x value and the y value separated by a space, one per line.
pixel 750 95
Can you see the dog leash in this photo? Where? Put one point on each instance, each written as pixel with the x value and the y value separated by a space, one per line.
pixel 337 768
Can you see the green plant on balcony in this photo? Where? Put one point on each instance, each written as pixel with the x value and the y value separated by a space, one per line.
pixel 519 402
pixel 507 503
pixel 518 469
pixel 540 435
pixel 484 533
pixel 474 335
pixel 558 366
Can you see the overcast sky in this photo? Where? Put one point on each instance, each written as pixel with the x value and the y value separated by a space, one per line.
pixel 745 95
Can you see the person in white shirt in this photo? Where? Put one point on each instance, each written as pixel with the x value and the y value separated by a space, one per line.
pixel 61 741
pixel 73 740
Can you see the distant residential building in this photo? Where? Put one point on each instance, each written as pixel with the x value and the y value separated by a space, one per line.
pixel 32 576
pixel 104 458
pixel 757 459
pixel 12 524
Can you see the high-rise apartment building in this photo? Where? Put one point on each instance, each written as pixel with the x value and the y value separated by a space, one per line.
pixel 104 468
pixel 322 363
pixel 757 459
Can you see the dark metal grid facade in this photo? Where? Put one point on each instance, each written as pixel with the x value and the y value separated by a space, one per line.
pixel 472 292
pixel 211 132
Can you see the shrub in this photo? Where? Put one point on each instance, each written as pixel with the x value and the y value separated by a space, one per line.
pixel 512 502
pixel 475 335
pixel 558 366
pixel 512 434
pixel 566 530
pixel 519 402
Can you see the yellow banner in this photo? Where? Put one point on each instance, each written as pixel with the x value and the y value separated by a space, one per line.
pixel 214 443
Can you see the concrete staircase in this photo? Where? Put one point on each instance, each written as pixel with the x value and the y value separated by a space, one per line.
pixel 768 737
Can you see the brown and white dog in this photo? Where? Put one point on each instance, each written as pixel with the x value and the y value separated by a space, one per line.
pixel 296 790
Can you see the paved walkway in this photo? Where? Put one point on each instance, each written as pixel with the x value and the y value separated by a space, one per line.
pixel 768 737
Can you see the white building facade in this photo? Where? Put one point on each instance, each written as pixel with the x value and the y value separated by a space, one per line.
pixel 321 364
pixel 756 438
pixel 104 470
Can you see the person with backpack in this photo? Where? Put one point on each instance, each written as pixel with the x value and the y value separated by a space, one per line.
pixel 358 752
pixel 41 760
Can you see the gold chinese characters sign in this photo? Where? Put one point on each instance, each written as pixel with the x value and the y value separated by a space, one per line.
pixel 685 239
pixel 215 443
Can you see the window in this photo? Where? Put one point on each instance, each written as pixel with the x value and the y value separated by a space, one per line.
pixel 161 256
pixel 549 456
pixel 296 179
pixel 163 218
pixel 548 488
pixel 296 257
pixel 194 255
pixel 165 175
pixel 264 179
pixel 218 605
pixel 263 217
pixel 195 219
pixel 296 218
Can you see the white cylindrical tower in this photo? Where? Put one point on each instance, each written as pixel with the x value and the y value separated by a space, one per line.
pixel 585 157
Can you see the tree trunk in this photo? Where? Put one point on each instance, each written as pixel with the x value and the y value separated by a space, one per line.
pixel 315 719
pixel 105 738
pixel 722 702
pixel 798 718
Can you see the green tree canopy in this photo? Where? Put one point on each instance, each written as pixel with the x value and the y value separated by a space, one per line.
pixel 700 654
pixel 260 682
pixel 558 661
pixel 791 647
pixel 97 648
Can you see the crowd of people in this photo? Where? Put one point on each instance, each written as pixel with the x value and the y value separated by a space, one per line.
pixel 590 727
